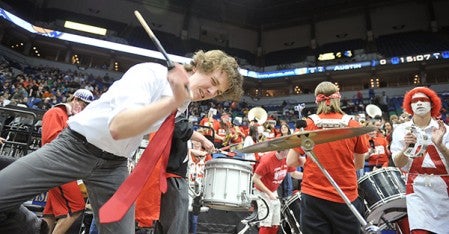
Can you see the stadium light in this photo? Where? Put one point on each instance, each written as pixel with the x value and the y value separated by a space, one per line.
pixel 85 28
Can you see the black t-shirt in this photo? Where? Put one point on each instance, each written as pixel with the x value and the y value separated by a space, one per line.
pixel 177 161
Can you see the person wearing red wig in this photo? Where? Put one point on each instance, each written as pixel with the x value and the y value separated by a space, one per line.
pixel 421 148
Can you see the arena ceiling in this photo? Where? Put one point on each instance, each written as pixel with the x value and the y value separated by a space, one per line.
pixel 252 14
pixel 171 16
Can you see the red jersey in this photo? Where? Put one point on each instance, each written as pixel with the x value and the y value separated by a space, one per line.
pixel 380 153
pixel 53 122
pixel 337 157
pixel 272 170
pixel 209 122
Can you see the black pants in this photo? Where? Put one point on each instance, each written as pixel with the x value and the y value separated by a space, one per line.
pixel 325 217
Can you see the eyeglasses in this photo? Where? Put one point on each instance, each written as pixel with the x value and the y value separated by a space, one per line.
pixel 420 99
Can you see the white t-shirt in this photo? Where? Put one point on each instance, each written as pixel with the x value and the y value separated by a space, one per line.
pixel 141 85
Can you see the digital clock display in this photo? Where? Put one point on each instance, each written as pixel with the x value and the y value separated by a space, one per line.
pixel 414 58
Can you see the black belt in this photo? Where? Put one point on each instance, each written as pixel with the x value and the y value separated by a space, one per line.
pixel 95 150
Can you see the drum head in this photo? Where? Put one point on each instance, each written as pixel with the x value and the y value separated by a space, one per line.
pixel 390 211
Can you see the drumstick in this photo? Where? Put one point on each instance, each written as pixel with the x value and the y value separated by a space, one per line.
pixel 153 37
pixel 156 41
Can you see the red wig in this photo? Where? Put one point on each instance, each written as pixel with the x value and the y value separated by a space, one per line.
pixel 435 101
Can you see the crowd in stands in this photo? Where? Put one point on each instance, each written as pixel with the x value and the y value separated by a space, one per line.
pixel 42 87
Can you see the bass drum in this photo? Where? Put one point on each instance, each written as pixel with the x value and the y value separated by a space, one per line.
pixel 291 213
pixel 384 193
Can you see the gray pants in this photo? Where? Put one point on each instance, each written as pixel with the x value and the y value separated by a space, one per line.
pixel 63 160
pixel 174 216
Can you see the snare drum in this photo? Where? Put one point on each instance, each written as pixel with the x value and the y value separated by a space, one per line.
pixel 384 193
pixel 227 184
pixel 291 213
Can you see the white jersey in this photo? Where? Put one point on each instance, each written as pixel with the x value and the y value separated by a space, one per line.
pixel 141 85
pixel 427 181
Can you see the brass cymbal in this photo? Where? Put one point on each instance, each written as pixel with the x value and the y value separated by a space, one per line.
pixel 317 136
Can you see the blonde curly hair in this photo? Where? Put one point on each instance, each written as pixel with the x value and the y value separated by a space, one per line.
pixel 210 61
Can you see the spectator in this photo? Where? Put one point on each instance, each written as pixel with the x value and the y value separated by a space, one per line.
pixel 420 147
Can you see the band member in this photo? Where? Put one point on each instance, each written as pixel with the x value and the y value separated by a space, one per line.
pixel 388 130
pixel 251 139
pixel 323 210
pixel 170 209
pixel 65 203
pixel 285 189
pixel 378 153
pixel 237 134
pixel 421 148
pixel 174 209
pixel 197 162
pixel 270 129
pixel 268 175
pixel 223 134
pixel 98 141
pixel 211 126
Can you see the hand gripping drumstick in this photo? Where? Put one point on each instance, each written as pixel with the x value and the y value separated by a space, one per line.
pixel 156 41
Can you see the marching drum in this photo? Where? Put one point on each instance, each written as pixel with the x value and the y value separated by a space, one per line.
pixel 228 184
pixel 291 212
pixel 384 193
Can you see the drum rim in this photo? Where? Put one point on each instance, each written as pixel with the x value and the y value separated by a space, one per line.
pixel 228 161
pixel 220 201
pixel 376 208
pixel 235 168
pixel 293 198
pixel 395 218
pixel 378 171
pixel 227 206
pixel 388 199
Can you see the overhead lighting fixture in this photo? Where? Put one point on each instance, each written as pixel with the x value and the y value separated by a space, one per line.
pixel 85 28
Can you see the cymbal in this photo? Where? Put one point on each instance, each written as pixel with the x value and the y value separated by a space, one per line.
pixel 317 136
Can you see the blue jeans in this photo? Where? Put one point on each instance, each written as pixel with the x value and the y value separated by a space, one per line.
pixel 93 227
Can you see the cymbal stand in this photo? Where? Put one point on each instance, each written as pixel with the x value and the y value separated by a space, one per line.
pixel 308 144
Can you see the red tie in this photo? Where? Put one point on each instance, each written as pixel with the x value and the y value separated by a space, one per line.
pixel 117 206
